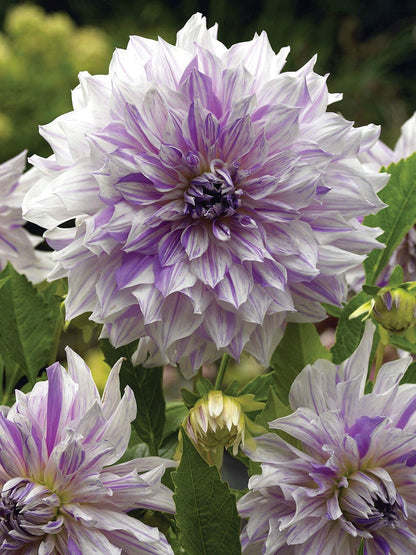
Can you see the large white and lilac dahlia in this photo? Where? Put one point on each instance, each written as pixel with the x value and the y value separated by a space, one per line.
pixel 60 491
pixel 214 197
pixel 352 477
pixel 17 245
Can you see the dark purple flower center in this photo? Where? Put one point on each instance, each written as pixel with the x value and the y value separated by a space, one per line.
pixel 382 514
pixel 212 195
pixel 28 511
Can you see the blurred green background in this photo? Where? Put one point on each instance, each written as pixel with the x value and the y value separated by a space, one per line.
pixel 369 49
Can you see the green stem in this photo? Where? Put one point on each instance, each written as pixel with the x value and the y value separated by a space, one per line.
pixel 221 372
pixel 195 380
pixel 379 359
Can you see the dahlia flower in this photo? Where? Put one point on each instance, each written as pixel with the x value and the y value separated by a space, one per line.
pixel 16 244
pixel 352 477
pixel 214 197
pixel 59 490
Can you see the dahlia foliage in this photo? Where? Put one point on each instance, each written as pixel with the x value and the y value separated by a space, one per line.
pixel 214 197
pixel 202 205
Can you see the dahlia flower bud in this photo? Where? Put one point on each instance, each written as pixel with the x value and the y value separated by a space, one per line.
pixel 394 308
pixel 218 421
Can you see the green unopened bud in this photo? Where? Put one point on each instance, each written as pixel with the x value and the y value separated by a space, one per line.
pixel 218 421
pixel 395 309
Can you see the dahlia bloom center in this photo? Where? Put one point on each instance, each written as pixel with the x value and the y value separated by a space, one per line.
pixel 212 195
pixel 370 504
pixel 28 510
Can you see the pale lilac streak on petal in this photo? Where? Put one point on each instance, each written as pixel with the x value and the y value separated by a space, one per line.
pixel 263 339
pixel 81 375
pixel 236 82
pixel 132 535
pixel 84 537
pixel 165 65
pixel 58 238
pixel 60 403
pixel 222 326
pixel 81 297
pixel 171 279
pixel 134 270
pixel 110 300
pixel 171 251
pixel 150 301
pixel 111 434
pixel 333 259
pixel 177 321
pixel 212 265
pixel 111 396
pixel 257 305
pixel 199 85
pixel 406 143
pixel 315 387
pixel 130 489
pixel 144 239
pixel 194 34
pixel 357 364
pixel 12 460
pixel 249 244
pixel 258 57
pixel 236 139
pixel 200 297
pixel 195 240
pixel 390 374
pixel 236 285
pixel 124 331
pixel 237 345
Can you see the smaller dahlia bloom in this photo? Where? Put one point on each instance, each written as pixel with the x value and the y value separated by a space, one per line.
pixel 60 491
pixel 213 194
pixel 352 475
pixel 16 244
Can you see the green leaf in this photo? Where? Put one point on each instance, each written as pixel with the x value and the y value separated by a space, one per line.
pixel 397 276
pixel 206 511
pixel 299 346
pixel 232 389
pixel 176 412
pixel 204 386
pixel 274 408
pixel 29 324
pixel 349 332
pixel 361 548
pixel 259 386
pixel 371 289
pixel 405 340
pixel 146 384
pixel 397 218
pixel 332 310
pixel 410 374
pixel 189 398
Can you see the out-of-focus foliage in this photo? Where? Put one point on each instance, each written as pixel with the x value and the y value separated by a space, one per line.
pixel 40 57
